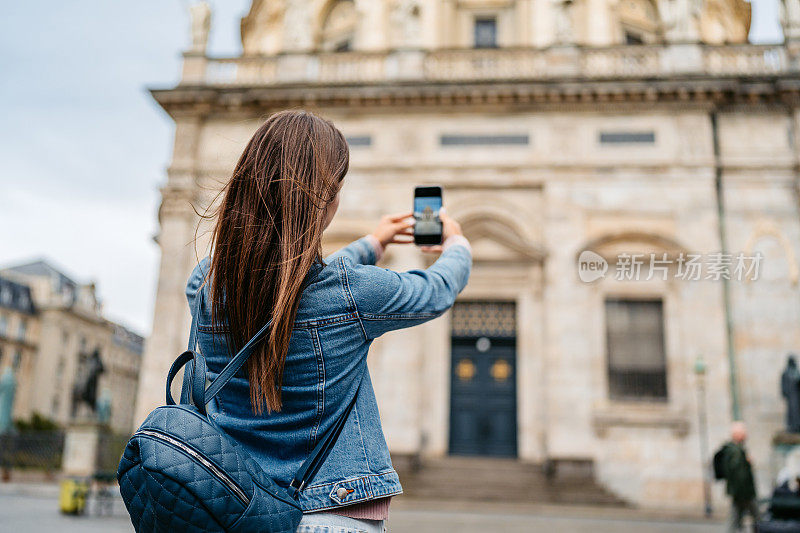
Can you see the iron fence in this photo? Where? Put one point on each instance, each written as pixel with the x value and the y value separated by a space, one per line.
pixel 37 450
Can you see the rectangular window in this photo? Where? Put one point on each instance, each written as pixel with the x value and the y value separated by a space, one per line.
pixel 359 141
pixel 484 140
pixel 486 32
pixel 633 38
pixel 627 137
pixel 23 329
pixel 3 324
pixel 17 360
pixel 637 366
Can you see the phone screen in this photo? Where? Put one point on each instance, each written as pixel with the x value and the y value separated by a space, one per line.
pixel 428 226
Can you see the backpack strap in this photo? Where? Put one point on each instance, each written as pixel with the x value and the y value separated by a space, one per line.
pixel 235 364
pixel 195 366
pixel 194 377
pixel 312 465
pixel 192 381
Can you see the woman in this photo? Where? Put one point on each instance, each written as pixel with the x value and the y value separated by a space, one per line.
pixel 266 264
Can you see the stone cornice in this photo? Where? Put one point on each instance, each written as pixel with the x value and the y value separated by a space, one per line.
pixel 705 92
pixel 176 201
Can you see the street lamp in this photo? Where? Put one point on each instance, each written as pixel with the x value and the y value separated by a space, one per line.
pixel 702 429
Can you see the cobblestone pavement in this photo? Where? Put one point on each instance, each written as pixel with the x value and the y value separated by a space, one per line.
pixel 31 511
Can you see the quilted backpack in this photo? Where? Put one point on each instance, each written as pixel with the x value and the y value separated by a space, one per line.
pixel 180 472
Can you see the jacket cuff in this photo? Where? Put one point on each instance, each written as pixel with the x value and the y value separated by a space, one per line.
pixel 456 240
pixel 376 246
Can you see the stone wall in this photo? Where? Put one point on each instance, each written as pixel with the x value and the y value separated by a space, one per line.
pixel 530 209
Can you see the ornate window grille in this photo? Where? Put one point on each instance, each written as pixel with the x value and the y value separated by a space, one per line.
pixel 484 319
pixel 637 366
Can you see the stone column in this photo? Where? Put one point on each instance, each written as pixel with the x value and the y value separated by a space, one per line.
pixel 543 15
pixel 372 31
pixel 171 317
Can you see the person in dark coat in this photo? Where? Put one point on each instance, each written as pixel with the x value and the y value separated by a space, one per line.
pixel 790 389
pixel 740 483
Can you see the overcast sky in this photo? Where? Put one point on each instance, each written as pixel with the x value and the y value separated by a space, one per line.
pixel 83 146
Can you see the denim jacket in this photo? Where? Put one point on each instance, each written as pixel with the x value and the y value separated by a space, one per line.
pixel 346 303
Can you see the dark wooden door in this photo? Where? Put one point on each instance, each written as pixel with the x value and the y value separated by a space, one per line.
pixel 483 392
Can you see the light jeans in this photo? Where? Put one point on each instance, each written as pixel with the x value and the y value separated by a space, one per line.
pixel 334 523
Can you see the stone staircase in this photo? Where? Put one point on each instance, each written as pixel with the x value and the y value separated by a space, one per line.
pixel 502 480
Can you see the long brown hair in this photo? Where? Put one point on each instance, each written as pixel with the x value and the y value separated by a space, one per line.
pixel 268 236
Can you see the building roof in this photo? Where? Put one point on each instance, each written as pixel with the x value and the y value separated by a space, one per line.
pixel 63 284
pixel 16 296
pixel 43 268
pixel 128 339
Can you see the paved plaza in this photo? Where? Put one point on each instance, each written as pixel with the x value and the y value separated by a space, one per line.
pixel 26 509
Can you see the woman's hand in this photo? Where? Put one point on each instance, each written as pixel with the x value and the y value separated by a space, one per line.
pixel 395 229
pixel 449 228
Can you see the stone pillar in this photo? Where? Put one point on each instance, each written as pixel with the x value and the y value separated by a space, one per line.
pixel 171 317
pixel 80 449
pixel 598 28
pixel 543 15
pixel 372 32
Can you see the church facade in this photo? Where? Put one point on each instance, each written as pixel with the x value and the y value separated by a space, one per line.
pixel 627 172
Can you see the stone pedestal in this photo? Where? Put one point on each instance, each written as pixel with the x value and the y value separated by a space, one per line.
pixel 785 452
pixel 80 449
pixel 194 68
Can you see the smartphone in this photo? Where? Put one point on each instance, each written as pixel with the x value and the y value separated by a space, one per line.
pixel 427 224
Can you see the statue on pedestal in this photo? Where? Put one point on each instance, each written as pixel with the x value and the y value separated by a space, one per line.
pixel 790 389
pixel 85 389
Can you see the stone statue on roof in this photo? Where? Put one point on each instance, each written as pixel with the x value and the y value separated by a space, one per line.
pixel 201 26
